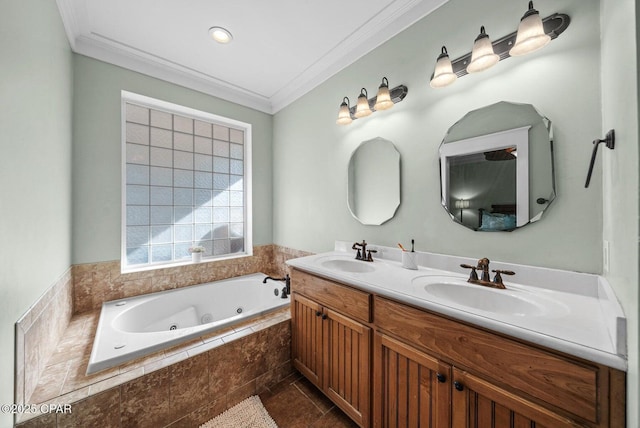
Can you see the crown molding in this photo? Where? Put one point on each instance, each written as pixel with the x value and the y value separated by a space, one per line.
pixel 390 21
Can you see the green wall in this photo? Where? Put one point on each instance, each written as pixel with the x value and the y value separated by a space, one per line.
pixel 97 153
pixel 620 172
pixel 311 152
pixel 35 165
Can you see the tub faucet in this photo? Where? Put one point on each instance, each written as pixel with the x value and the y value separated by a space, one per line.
pixel 287 284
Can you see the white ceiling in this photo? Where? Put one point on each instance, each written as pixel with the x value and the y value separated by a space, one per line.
pixel 281 48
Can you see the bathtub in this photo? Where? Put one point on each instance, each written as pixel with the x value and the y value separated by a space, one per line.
pixel 134 327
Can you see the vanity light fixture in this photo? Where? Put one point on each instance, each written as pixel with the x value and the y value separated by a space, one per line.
pixel 344 115
pixel 220 35
pixel 533 33
pixel 362 108
pixel 384 100
pixel 482 55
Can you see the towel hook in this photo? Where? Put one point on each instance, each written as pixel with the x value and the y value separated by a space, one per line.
pixel 610 142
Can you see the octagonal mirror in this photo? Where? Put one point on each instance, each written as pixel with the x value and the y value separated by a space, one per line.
pixel 496 167
pixel 374 181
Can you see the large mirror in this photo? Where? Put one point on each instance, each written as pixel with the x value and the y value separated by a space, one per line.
pixel 496 167
pixel 374 181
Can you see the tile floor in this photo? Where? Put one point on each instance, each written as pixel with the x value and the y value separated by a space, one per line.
pixel 297 403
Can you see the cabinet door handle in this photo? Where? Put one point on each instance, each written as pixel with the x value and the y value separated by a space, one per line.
pixel 318 313
pixel 441 378
pixel 458 385
pixel 324 316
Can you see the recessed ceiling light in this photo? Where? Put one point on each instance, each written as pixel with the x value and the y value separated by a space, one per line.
pixel 220 35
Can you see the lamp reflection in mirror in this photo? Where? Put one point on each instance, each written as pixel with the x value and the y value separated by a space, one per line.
pixel 482 55
pixel 531 35
pixel 461 204
pixel 362 108
pixel 344 115
pixel 383 99
pixel 443 74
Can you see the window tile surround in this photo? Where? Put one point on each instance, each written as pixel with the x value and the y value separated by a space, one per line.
pixel 83 288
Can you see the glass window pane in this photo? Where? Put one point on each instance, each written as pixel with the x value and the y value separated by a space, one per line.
pixel 221 246
pixel 182 142
pixel 237 151
pixel 161 176
pixel 236 230
pixel 137 236
pixel 161 253
pixel 181 251
pixel 137 174
pixel 220 214
pixel 203 145
pixel 236 136
pixel 236 183
pixel 183 124
pixel 138 134
pixel 236 199
pixel 161 157
pixel 137 154
pixel 203 162
pixel 221 231
pixel 202 215
pixel 161 119
pixel 183 160
pixel 220 181
pixel 161 138
pixel 183 196
pixel 237 246
pixel 236 166
pixel 204 232
pixel 182 178
pixel 202 128
pixel 203 197
pixel 183 215
pixel 220 132
pixel 161 215
pixel 137 255
pixel 203 180
pixel 137 195
pixel 137 215
pixel 220 164
pixel 221 198
pixel 161 234
pixel 221 148
pixel 183 233
pixel 137 114
pixel 161 195
pixel 236 214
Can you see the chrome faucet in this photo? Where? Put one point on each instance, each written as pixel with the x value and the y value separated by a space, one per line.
pixel 484 279
pixel 287 284
pixel 365 255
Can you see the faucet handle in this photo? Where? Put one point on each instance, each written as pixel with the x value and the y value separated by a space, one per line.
pixel 369 258
pixel 473 276
pixel 504 272
pixel 498 278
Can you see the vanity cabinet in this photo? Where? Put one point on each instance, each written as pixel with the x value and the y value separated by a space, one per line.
pixel 495 380
pixel 390 364
pixel 331 344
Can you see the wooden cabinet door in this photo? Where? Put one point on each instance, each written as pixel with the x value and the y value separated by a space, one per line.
pixel 411 388
pixel 307 340
pixel 479 404
pixel 347 365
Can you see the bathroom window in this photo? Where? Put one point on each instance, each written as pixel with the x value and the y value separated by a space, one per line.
pixel 186 183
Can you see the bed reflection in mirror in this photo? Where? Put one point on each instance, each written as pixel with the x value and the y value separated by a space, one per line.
pixel 496 167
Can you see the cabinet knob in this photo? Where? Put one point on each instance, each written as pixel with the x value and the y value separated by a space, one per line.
pixel 441 378
pixel 458 386
pixel 318 313
pixel 324 316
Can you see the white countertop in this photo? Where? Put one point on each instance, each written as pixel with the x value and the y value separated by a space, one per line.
pixel 581 315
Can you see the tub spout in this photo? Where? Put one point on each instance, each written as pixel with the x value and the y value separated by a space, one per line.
pixel 286 279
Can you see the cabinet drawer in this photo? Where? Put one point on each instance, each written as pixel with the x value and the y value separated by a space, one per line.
pixel 349 301
pixel 558 381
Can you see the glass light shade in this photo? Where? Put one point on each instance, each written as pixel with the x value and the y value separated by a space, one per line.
pixel 383 99
pixel 344 115
pixel 362 108
pixel 531 35
pixel 443 74
pixel 482 56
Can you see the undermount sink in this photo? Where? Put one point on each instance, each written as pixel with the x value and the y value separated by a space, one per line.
pixel 507 302
pixel 347 265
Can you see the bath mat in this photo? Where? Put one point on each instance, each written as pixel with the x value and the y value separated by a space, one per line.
pixel 249 413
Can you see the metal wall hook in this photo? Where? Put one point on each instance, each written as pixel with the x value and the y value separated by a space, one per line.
pixel 610 142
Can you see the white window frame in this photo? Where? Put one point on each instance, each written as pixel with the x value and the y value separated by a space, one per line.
pixel 152 103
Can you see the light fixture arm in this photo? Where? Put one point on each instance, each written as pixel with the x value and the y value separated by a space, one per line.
pixel 554 25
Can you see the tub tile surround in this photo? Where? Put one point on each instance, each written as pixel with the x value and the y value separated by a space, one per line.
pixel 216 370
pixel 51 346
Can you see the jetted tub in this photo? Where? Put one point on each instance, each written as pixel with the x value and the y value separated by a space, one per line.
pixel 134 327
